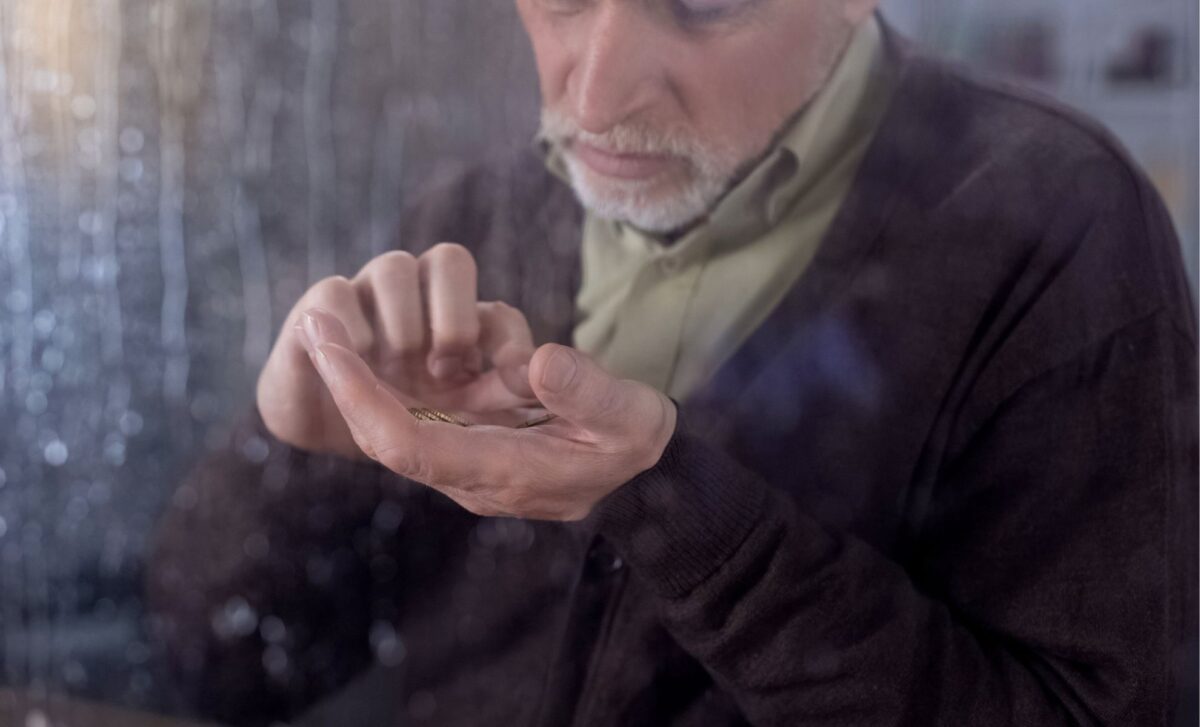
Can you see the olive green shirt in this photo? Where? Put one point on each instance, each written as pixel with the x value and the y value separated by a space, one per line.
pixel 669 314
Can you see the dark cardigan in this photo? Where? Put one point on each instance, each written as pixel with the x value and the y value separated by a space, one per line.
pixel 952 479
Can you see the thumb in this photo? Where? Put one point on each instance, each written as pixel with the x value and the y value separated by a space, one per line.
pixel 571 385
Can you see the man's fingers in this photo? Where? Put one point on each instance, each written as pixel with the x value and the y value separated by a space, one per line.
pixel 289 395
pixel 570 384
pixel 382 427
pixel 322 326
pixel 371 411
pixel 434 453
pixel 337 296
pixel 507 342
pixel 289 366
pixel 390 286
pixel 449 278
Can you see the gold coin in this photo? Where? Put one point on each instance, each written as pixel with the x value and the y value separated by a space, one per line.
pixel 539 420
pixel 433 415
pixel 426 414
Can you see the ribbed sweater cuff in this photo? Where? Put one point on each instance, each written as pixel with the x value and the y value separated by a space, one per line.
pixel 679 521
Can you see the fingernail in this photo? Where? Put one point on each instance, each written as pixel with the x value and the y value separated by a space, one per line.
pixel 303 338
pixel 523 372
pixel 560 371
pixel 313 328
pixel 324 366
pixel 446 367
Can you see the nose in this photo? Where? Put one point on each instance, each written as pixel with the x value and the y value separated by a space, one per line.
pixel 616 73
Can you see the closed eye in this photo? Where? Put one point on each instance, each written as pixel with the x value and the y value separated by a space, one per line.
pixel 563 6
pixel 698 12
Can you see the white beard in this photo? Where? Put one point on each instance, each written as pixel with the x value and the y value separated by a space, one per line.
pixel 654 205
pixel 629 201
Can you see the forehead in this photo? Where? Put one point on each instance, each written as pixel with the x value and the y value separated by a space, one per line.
pixel 696 14
pixel 753 27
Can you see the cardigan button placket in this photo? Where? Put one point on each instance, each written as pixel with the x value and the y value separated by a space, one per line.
pixel 594 602
pixel 602 561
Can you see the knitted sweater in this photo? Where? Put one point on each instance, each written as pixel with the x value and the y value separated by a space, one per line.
pixel 951 479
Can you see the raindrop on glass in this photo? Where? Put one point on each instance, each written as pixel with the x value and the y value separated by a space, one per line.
pixel 255 449
pixel 99 493
pixel 137 652
pixel 114 450
pixel 55 453
pixel 256 546
pixel 77 509
pixel 130 170
pixel 131 140
pixel 273 629
pixel 74 673
pixel 386 644
pixel 235 618
pixel 91 223
pixel 44 323
pixel 83 106
pixel 275 661
pixel 43 80
pixel 35 404
pixel 131 423
pixel 185 498
pixel 388 516
pixel 17 301
pixel 52 359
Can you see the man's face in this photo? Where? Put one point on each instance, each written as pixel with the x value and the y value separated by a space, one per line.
pixel 658 105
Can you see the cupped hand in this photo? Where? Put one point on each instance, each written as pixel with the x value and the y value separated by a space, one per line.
pixel 606 432
pixel 417 323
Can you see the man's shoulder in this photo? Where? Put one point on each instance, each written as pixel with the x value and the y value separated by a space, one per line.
pixel 1027 186
pixel 1023 235
pixel 965 124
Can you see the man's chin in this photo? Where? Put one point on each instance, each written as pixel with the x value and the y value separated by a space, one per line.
pixel 656 205
pixel 646 216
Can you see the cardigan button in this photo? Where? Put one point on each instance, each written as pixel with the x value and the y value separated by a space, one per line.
pixel 603 561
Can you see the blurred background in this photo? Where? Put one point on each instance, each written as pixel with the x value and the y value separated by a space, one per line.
pixel 174 173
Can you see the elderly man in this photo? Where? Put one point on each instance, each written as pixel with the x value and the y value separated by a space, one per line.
pixel 865 395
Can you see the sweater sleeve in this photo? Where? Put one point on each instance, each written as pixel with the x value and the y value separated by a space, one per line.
pixel 1053 581
pixel 278 574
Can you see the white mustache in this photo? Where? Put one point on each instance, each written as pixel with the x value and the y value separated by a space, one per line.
pixel 621 139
